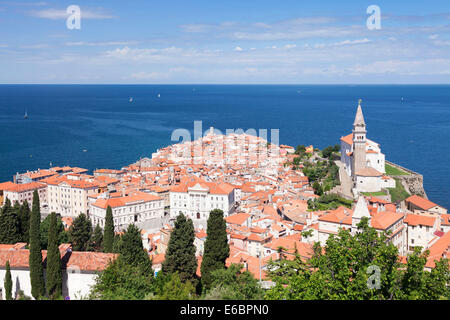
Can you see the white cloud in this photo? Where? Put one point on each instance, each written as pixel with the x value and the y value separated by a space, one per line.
pixel 342 43
pixel 238 49
pixel 399 67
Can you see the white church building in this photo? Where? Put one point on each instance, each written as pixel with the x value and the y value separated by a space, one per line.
pixel 363 160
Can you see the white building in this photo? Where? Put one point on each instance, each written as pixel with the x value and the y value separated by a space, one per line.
pixel 382 221
pixel 363 160
pixel 69 197
pixel 195 198
pixel 79 269
pixel 22 192
pixel 421 230
pixel 134 208
pixel 371 180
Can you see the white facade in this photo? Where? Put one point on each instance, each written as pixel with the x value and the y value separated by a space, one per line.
pixel 374 158
pixel 70 200
pixel 126 210
pixel 420 230
pixel 368 184
pixel 22 192
pixel 197 201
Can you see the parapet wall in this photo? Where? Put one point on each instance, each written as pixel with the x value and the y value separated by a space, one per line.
pixel 413 182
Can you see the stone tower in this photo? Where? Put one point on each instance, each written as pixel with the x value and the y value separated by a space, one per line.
pixel 359 142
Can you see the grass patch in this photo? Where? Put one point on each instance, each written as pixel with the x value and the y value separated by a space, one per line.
pixel 378 193
pixel 398 193
pixel 393 171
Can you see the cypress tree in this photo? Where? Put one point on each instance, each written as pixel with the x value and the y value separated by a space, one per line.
pixel 8 282
pixel 80 233
pixel 24 221
pixel 217 249
pixel 180 254
pixel 132 251
pixel 108 237
pixel 97 238
pixel 9 224
pixel 54 276
pixel 35 258
pixel 45 228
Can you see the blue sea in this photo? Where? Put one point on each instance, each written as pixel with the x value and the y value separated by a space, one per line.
pixel 410 122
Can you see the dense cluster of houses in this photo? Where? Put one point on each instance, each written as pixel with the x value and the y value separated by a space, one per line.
pixel 263 196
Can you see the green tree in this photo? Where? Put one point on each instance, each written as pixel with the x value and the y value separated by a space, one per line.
pixel 108 237
pixel 176 289
pixel 62 235
pixel 8 282
pixel 130 276
pixel 132 251
pixel 54 275
pixel 216 249
pixel 317 188
pixel 233 284
pixel 9 224
pixel 180 254
pixel 35 258
pixel 342 270
pixel 121 281
pixel 24 221
pixel 80 233
pixel 97 238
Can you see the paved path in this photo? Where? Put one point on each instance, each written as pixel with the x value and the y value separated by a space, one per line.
pixel 346 181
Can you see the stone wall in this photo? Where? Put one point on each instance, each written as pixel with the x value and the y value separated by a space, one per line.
pixel 413 182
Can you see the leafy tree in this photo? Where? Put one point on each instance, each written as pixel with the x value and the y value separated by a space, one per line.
pixel 300 150
pixel 180 254
pixel 341 270
pixel 132 251
pixel 54 275
pixel 8 282
pixel 329 201
pixel 35 258
pixel 233 284
pixel 121 281
pixel 9 224
pixel 80 233
pixel 62 235
pixel 317 188
pixel 130 276
pixel 24 221
pixel 176 289
pixel 216 249
pixel 108 237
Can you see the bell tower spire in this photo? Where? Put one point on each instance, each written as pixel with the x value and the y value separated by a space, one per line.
pixel 359 141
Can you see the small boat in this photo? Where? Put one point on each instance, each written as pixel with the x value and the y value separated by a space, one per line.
pixel 159 95
pixel 25 116
pixel 84 150
pixel 131 99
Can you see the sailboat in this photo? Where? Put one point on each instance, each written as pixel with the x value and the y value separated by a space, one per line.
pixel 25 116
pixel 131 99
pixel 159 95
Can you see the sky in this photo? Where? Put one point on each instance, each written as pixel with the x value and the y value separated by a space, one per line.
pixel 225 42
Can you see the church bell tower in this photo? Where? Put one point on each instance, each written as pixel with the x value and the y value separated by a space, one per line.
pixel 359 142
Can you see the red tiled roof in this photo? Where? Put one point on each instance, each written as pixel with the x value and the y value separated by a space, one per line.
pixel 420 202
pixel 417 219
